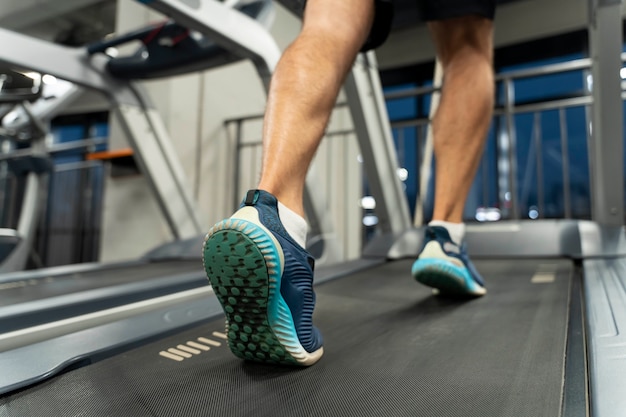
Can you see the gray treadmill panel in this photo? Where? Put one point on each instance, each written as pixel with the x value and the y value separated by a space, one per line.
pixel 59 297
pixel 392 349
pixel 605 292
pixel 26 290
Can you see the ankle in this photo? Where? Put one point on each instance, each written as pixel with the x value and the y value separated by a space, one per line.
pixel 456 230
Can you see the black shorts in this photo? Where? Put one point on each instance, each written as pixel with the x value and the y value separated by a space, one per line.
pixel 381 27
pixel 447 9
pixel 429 10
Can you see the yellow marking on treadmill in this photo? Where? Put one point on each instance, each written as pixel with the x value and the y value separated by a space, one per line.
pixel 220 335
pixel 180 353
pixel 198 346
pixel 171 356
pixel 209 341
pixel 189 349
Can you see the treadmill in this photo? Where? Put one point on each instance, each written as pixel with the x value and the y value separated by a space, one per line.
pixel 531 346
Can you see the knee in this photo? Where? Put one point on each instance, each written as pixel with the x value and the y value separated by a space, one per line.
pixel 338 24
pixel 468 37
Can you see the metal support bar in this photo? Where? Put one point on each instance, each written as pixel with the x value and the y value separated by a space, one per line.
pixel 70 64
pixel 539 165
pixel 371 122
pixel 566 171
pixel 155 157
pixel 607 141
pixel 429 148
pixel 58 97
pixel 510 147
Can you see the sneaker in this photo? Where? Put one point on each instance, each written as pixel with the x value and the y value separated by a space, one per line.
pixel 445 266
pixel 264 282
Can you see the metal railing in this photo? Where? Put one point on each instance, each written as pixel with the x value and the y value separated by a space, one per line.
pixel 248 148
pixel 503 138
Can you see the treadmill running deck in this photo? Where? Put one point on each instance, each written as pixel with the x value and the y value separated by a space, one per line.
pixel 391 349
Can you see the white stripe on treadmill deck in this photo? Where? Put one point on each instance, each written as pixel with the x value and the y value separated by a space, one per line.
pixel 546 274
pixel 189 349
pixel 209 342
pixel 198 346
pixel 220 335
pixel 543 278
pixel 171 356
pixel 180 353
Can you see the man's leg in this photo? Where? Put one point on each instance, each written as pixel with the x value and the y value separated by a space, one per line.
pixel 464 47
pixel 304 89
pixel 260 271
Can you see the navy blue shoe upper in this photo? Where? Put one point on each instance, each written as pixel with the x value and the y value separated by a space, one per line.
pixel 297 280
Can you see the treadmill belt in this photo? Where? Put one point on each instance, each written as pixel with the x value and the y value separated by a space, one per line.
pixel 391 349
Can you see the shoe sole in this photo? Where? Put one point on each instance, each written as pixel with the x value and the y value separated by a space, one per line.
pixel 243 264
pixel 449 279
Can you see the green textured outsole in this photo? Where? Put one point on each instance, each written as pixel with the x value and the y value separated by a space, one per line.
pixel 238 262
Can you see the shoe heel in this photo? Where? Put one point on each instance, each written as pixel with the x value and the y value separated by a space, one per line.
pixel 243 266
